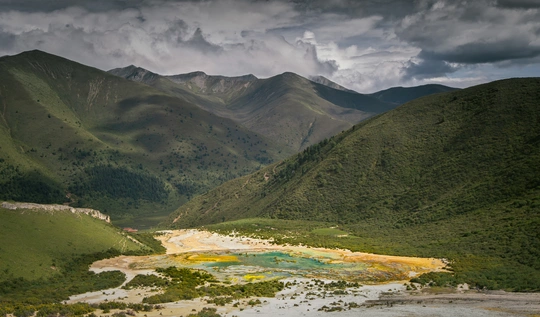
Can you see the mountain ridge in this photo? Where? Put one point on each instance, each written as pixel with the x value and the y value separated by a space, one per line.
pixel 327 82
pixel 287 108
pixel 401 95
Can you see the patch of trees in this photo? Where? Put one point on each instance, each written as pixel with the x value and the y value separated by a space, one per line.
pixel 150 280
pixel 73 278
pixel 206 312
pixel 77 309
pixel 120 182
pixel 313 153
pixel 28 186
pixel 187 187
pixel 187 284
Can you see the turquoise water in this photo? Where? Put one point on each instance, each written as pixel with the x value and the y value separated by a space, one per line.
pixel 278 260
pixel 270 265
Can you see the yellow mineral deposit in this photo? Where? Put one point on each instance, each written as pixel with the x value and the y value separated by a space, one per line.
pixel 252 278
pixel 212 258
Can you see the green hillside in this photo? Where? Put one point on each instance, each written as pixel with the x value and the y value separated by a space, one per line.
pixel 287 108
pixel 45 254
pixel 34 242
pixel 111 144
pixel 401 95
pixel 452 175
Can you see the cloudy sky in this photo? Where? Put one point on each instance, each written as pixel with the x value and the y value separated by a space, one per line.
pixel 365 45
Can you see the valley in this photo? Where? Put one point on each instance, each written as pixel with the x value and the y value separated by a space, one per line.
pixel 269 196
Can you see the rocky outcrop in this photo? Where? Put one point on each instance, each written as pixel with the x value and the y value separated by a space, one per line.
pixel 135 73
pixel 213 84
pixel 327 82
pixel 52 208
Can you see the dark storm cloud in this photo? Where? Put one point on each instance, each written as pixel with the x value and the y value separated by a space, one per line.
pixel 7 40
pixel 520 4
pixel 450 33
pixel 476 53
pixel 365 45
pixel 427 67
pixel 48 6
pixel 389 9
pixel 177 30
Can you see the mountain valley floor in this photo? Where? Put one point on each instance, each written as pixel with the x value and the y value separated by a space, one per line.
pixel 232 259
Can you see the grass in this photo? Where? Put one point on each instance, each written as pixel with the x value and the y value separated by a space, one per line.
pixel 329 232
pixel 35 243
pixel 46 255
pixel 453 175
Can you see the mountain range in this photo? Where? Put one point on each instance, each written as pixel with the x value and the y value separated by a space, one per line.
pixel 74 134
pixel 287 108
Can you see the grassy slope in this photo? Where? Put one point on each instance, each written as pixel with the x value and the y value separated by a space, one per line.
pixel 35 243
pixel 450 175
pixel 60 118
pixel 286 108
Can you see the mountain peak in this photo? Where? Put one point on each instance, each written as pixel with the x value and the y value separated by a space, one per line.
pixel 200 76
pixel 135 73
pixel 327 82
pixel 289 74
pixel 34 54
pixel 192 74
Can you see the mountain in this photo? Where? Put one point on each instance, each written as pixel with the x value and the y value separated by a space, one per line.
pixel 451 175
pixel 286 108
pixel 327 82
pixel 72 133
pixel 425 155
pixel 401 95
